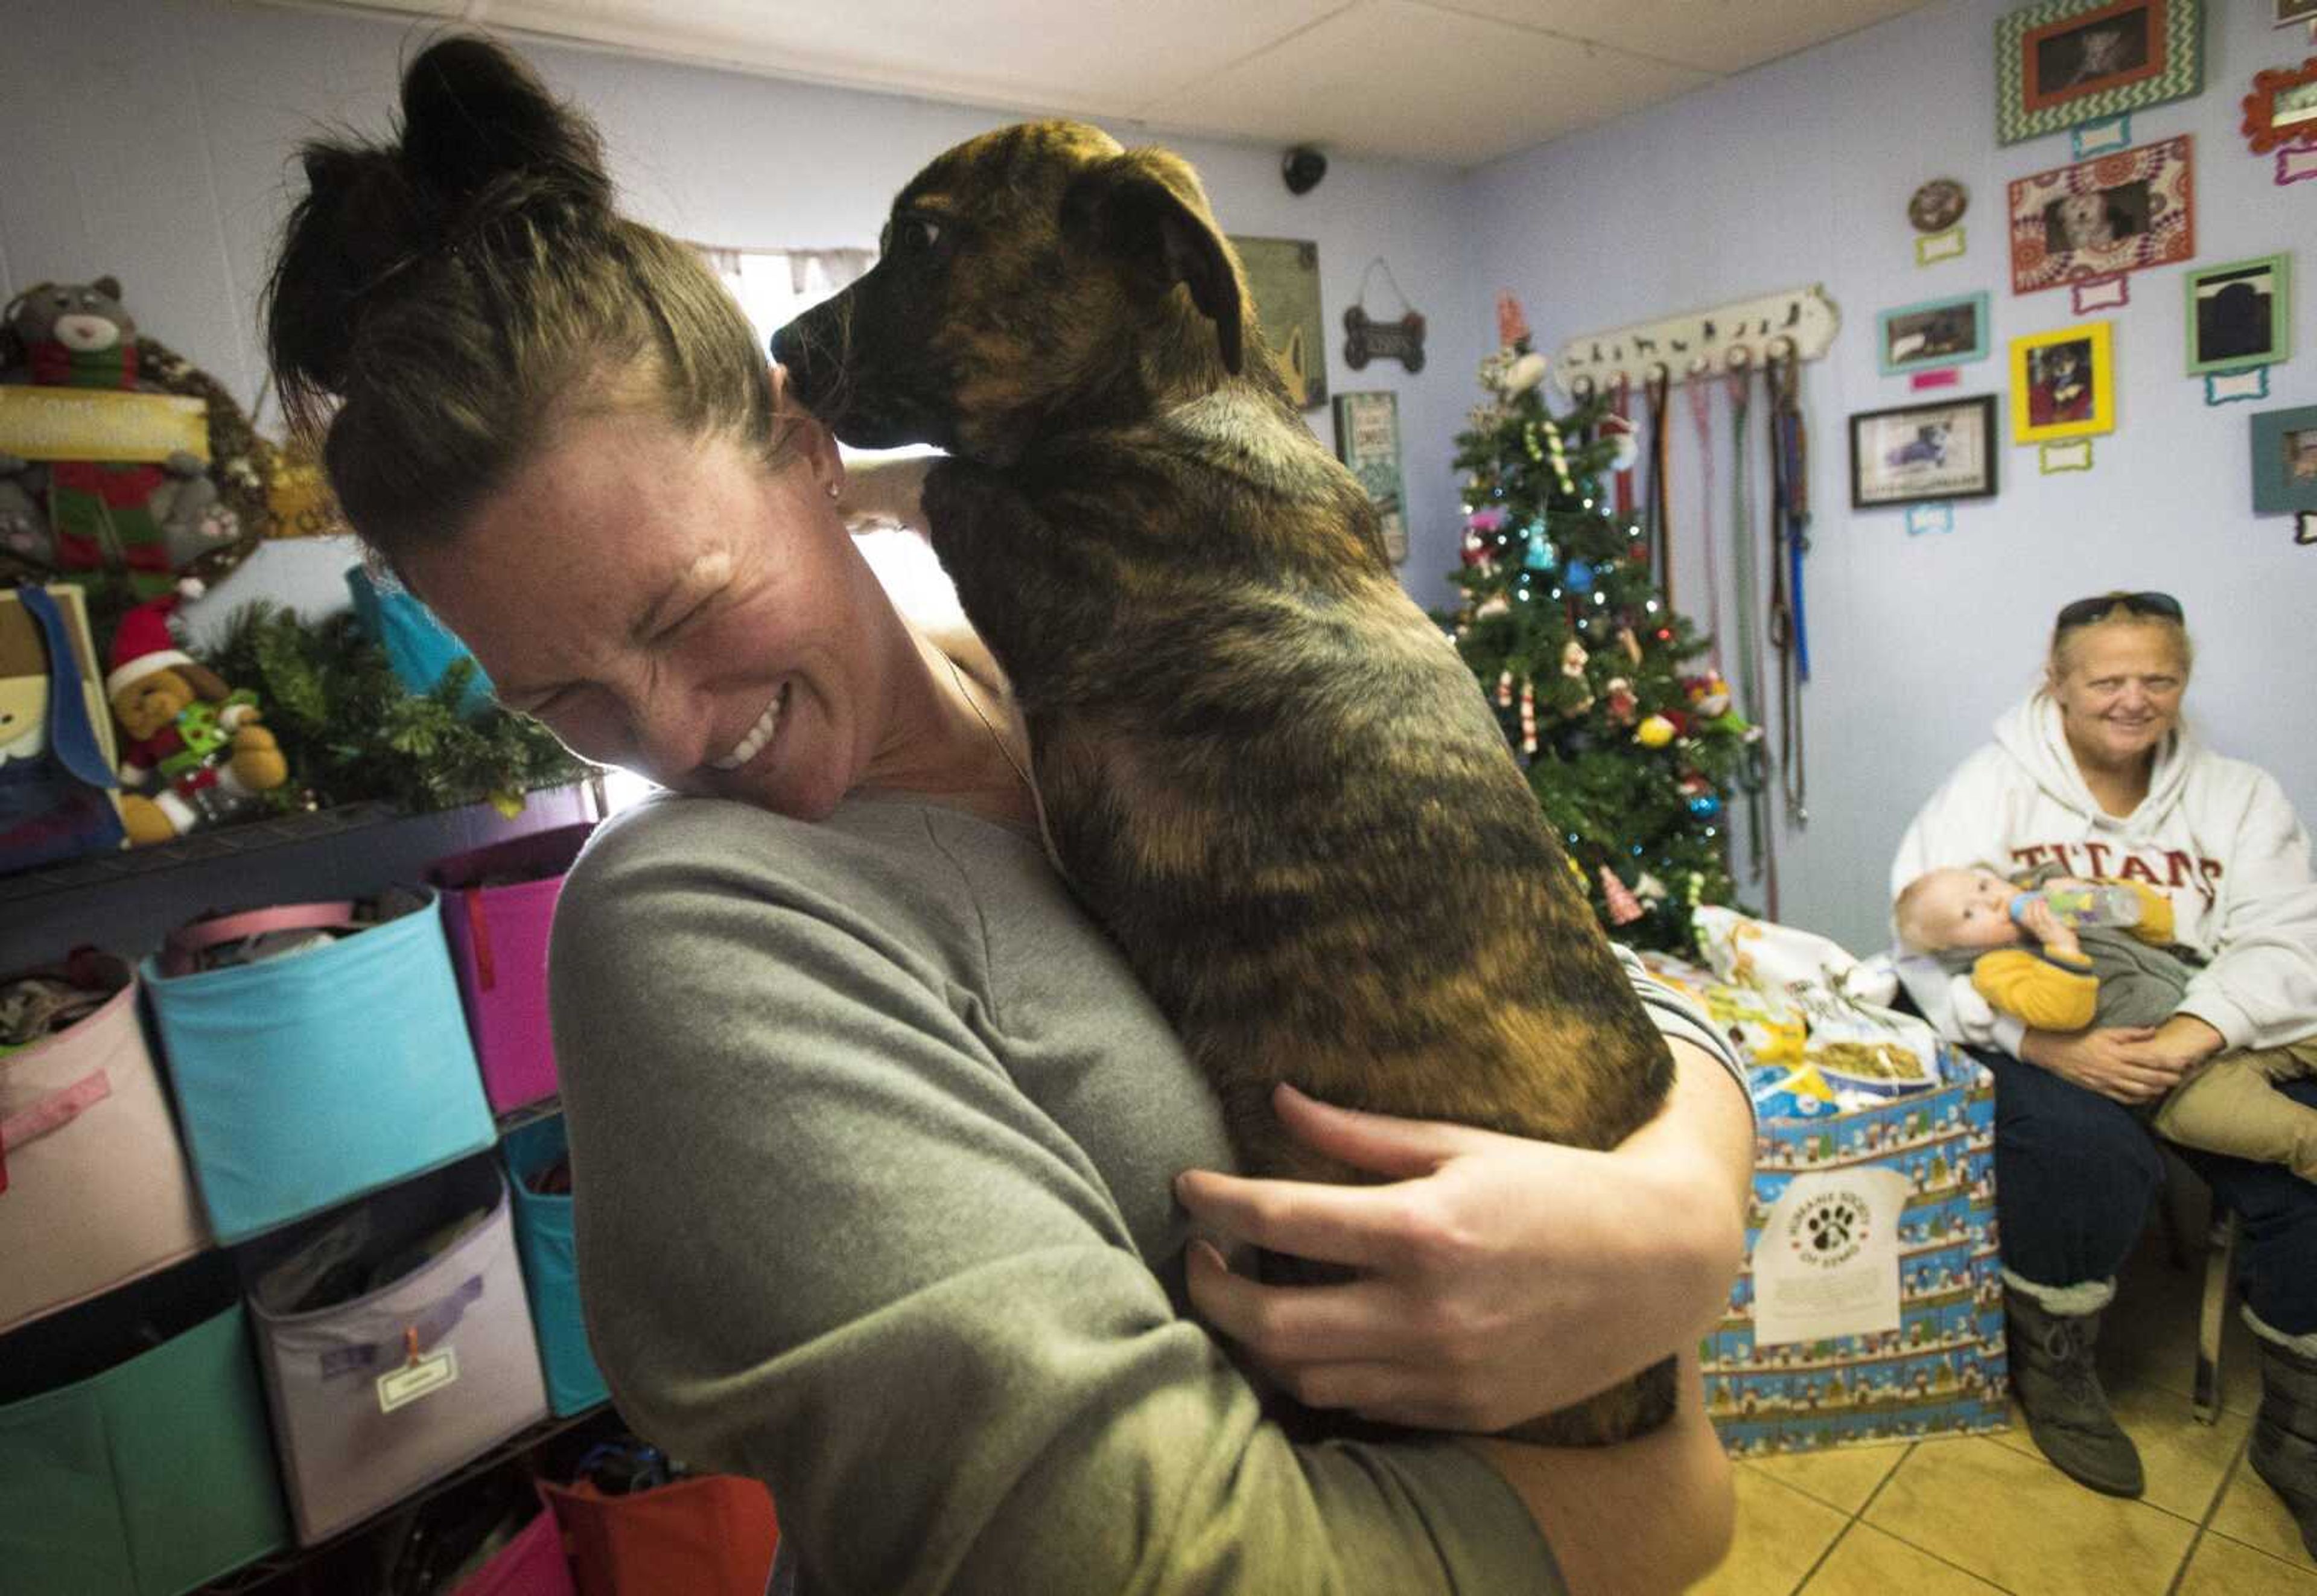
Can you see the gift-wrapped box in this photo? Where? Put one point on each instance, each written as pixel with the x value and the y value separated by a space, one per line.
pixel 1870 1306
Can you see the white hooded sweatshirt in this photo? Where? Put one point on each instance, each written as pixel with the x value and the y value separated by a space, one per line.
pixel 2214 834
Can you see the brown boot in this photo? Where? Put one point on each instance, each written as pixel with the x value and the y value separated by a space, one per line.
pixel 2067 1415
pixel 2285 1435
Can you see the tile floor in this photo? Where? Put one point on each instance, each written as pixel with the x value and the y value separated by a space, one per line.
pixel 1987 1514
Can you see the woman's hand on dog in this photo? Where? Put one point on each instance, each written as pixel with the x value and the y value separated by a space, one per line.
pixel 1500 1278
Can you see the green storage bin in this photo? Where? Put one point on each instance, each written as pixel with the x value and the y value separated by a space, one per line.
pixel 134 1457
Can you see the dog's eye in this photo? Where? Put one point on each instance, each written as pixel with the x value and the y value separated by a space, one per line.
pixel 915 232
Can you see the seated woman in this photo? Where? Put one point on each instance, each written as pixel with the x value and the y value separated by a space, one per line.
pixel 2097 775
pixel 877 1145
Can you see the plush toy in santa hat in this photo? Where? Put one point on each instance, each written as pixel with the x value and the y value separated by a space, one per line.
pixel 194 752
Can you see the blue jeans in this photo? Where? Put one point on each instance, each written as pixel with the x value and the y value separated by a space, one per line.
pixel 2075 1173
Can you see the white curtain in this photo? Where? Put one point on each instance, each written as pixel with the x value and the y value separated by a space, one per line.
pixel 773 285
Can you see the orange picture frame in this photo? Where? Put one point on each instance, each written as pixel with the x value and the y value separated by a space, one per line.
pixel 2286 92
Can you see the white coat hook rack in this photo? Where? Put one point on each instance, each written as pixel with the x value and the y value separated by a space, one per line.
pixel 1733 338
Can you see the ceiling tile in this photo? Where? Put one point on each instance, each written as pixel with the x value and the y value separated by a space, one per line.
pixel 1714 35
pixel 1087 56
pixel 1397 77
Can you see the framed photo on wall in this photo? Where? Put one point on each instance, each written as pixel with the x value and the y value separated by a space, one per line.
pixel 2285 460
pixel 2240 315
pixel 2282 108
pixel 2063 383
pixel 2114 213
pixel 1915 453
pixel 1950 332
pixel 2061 63
pixel 1367 441
pixel 1284 275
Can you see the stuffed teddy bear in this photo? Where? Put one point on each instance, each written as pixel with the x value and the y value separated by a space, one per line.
pixel 194 752
pixel 146 520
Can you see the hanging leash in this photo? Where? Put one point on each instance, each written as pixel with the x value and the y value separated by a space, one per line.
pixel 1655 392
pixel 1621 399
pixel 1789 541
pixel 1701 412
pixel 1753 776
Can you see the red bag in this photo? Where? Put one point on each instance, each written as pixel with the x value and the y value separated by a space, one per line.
pixel 709 1536
pixel 530 1564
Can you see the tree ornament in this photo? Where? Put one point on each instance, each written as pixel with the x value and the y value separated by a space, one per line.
pixel 1708 694
pixel 1524 372
pixel 1579 576
pixel 1487 518
pixel 1477 553
pixel 1654 732
pixel 1541 552
pixel 1504 690
pixel 1618 701
pixel 1572 659
pixel 1528 717
pixel 1512 327
pixel 1704 806
pixel 1625 442
pixel 1630 644
pixel 1496 604
pixel 1648 888
pixel 1624 909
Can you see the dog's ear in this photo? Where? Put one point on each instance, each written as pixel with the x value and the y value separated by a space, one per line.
pixel 1146 208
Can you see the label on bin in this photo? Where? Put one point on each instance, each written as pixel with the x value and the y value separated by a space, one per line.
pixel 1826 1261
pixel 421 1377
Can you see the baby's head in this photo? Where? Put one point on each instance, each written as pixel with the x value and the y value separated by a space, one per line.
pixel 1946 910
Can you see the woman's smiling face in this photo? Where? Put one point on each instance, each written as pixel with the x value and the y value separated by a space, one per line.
pixel 673 606
pixel 2119 692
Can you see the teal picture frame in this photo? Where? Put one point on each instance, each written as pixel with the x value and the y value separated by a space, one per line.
pixel 1923 338
pixel 2221 339
pixel 2284 461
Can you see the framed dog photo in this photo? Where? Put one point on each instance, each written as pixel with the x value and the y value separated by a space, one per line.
pixel 1367 441
pixel 2282 108
pixel 1917 453
pixel 2240 315
pixel 1936 333
pixel 2063 383
pixel 2065 62
pixel 2284 461
pixel 1284 275
pixel 2114 213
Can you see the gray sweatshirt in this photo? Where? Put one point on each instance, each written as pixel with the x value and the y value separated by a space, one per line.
pixel 871 1139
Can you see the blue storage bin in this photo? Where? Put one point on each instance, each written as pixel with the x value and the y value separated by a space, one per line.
pixel 550 1271
pixel 306 1081
pixel 134 1459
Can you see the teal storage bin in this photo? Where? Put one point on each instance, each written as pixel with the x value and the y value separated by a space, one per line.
pixel 129 1469
pixel 551 1270
pixel 306 1080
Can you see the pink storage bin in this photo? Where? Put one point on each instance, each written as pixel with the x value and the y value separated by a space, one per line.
pixel 530 1564
pixel 94 1187
pixel 498 945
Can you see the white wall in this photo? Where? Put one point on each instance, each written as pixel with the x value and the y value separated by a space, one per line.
pixel 1800 173
pixel 153 142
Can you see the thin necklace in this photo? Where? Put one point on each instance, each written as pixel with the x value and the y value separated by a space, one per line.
pixel 975 704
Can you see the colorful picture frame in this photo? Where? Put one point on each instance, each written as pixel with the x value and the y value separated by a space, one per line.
pixel 2293 12
pixel 1923 454
pixel 2282 108
pixel 2284 461
pixel 1948 332
pixel 1283 276
pixel 2063 383
pixel 2062 62
pixel 2101 218
pixel 1367 441
pixel 2240 315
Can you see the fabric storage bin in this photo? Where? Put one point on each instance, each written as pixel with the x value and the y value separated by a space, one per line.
pixel 543 1235
pixel 96 1189
pixel 395 1341
pixel 132 1468
pixel 498 945
pixel 304 1080
pixel 530 1564
pixel 713 1535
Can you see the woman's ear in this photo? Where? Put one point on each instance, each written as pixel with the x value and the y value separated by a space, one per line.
pixel 807 436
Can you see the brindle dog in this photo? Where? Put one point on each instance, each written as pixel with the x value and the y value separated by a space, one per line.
pixel 1263 768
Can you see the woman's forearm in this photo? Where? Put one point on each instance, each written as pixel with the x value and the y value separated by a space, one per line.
pixel 1706 1131
pixel 1653 1515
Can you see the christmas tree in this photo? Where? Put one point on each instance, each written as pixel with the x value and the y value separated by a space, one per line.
pixel 1568 629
